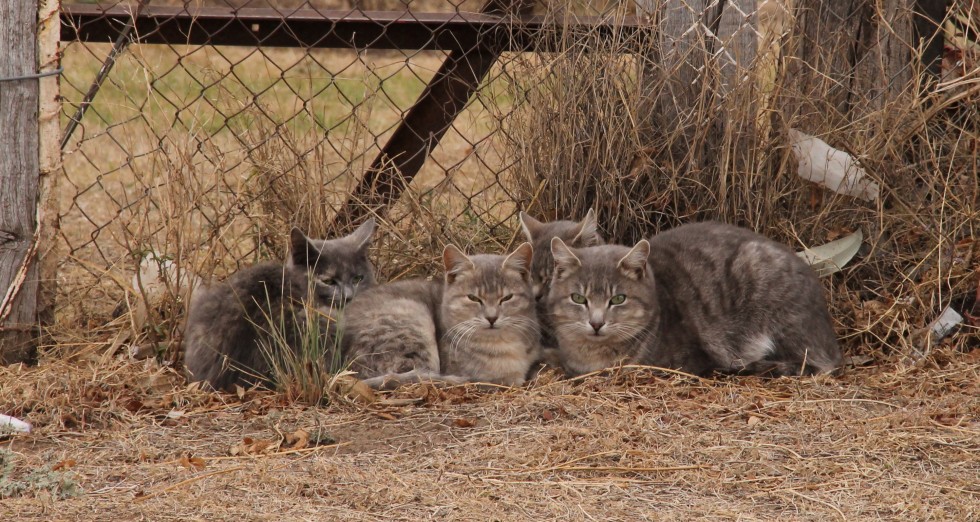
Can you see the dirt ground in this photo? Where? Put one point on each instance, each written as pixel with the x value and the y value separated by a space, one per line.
pixel 895 441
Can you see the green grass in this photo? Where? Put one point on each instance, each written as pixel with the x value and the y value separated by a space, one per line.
pixel 46 480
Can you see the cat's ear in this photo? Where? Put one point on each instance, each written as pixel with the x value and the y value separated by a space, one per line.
pixel 634 264
pixel 455 262
pixel 301 250
pixel 520 260
pixel 588 232
pixel 565 260
pixel 529 225
pixel 362 236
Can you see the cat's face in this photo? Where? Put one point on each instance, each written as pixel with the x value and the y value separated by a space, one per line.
pixel 339 267
pixel 579 234
pixel 488 297
pixel 601 303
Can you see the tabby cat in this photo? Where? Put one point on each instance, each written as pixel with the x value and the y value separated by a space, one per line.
pixel 476 325
pixel 699 298
pixel 580 234
pixel 230 324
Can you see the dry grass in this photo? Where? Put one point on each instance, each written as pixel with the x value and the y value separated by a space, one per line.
pixel 206 156
pixel 277 137
pixel 895 441
pixel 650 143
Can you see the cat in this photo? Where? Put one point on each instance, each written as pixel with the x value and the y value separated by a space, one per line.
pixel 228 330
pixel 579 234
pixel 478 324
pixel 699 298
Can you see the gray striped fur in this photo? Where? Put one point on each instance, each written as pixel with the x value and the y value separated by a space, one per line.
pixel 427 330
pixel 699 298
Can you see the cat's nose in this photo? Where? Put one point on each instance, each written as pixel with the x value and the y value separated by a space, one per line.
pixel 597 325
pixel 491 319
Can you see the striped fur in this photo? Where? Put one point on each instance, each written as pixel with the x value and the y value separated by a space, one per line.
pixel 699 298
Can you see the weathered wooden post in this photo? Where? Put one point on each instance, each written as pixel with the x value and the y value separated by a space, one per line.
pixel 22 99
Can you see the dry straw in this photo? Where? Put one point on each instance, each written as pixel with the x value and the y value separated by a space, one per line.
pixel 650 132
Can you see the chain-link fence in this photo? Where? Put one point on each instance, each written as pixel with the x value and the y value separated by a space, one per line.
pixel 222 123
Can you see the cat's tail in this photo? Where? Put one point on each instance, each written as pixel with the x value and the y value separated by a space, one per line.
pixel 393 380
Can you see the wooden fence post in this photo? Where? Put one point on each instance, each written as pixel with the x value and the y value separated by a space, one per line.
pixel 19 179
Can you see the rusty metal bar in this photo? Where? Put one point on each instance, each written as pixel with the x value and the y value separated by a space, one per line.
pixel 339 29
pixel 426 123
pixel 120 43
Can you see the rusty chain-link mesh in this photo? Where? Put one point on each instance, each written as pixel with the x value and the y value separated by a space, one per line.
pixel 200 156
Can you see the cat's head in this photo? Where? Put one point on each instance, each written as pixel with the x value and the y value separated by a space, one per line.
pixel 601 303
pixel 488 297
pixel 577 234
pixel 340 267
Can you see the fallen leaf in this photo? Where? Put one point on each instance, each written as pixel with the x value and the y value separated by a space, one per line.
pixel 753 420
pixel 551 414
pixel 829 258
pixel 134 405
pixel 250 446
pixel 465 422
pixel 192 462
pixel 298 439
pixel 64 464
pixel 353 388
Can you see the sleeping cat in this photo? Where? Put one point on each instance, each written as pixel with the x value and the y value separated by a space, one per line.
pixel 477 325
pixel 229 324
pixel 698 298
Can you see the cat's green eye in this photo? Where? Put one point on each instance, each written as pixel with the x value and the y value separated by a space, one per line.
pixel 507 297
pixel 327 280
pixel 579 299
pixel 358 279
pixel 474 298
pixel 618 299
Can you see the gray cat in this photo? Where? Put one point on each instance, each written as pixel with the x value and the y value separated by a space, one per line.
pixel 699 298
pixel 579 234
pixel 229 322
pixel 477 325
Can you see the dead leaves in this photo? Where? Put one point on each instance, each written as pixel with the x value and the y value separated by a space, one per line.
pixel 466 422
pixel 64 465
pixel 288 442
pixel 192 463
pixel 350 387
pixel 550 414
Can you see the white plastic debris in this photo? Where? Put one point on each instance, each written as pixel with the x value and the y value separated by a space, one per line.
pixel 943 325
pixel 8 423
pixel 832 168
pixel 831 257
pixel 157 276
